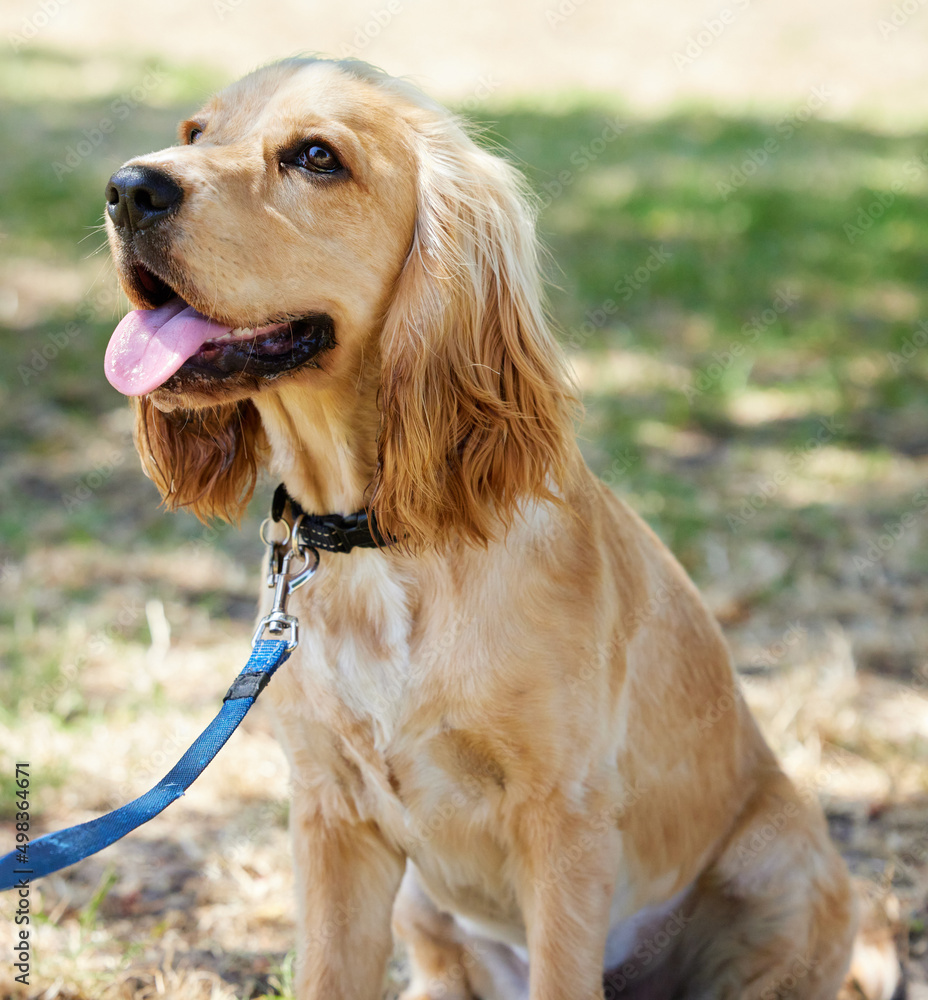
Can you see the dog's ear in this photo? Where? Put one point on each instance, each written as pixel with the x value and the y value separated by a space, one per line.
pixel 477 408
pixel 204 460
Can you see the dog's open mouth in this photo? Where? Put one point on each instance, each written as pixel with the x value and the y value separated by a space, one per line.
pixel 173 345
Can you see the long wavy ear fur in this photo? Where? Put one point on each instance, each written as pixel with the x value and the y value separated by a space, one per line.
pixel 478 410
pixel 204 460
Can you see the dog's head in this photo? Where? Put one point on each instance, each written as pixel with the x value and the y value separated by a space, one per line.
pixel 325 232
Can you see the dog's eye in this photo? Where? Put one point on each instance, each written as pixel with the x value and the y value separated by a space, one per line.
pixel 193 133
pixel 319 159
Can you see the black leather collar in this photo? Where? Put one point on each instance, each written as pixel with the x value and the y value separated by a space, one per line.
pixel 330 532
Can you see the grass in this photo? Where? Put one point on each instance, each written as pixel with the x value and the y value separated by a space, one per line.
pixel 747 337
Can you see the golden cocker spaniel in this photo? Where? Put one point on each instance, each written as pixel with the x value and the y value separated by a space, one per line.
pixel 497 725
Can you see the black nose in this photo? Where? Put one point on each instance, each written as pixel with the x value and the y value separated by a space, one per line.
pixel 138 197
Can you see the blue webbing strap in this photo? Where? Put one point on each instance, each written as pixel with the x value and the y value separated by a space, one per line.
pixel 58 850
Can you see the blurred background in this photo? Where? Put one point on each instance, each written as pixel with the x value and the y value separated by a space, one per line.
pixel 735 201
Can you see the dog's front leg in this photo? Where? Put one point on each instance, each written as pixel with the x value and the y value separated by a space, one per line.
pixel 567 895
pixel 347 877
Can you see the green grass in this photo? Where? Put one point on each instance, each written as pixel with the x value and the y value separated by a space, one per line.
pixel 758 288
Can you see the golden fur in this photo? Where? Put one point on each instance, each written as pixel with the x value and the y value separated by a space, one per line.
pixel 518 731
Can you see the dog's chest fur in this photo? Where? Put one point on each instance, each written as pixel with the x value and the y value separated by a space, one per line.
pixel 398 712
pixel 460 703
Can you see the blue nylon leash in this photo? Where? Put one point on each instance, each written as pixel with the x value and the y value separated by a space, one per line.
pixel 55 851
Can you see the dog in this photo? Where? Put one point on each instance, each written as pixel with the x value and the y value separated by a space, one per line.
pixel 513 726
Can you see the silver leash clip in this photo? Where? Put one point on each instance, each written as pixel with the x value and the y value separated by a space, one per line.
pixel 283 580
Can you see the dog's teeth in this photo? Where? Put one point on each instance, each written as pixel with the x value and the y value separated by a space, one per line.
pixel 239 333
pixel 244 333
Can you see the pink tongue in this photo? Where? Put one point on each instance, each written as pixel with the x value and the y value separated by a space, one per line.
pixel 149 345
